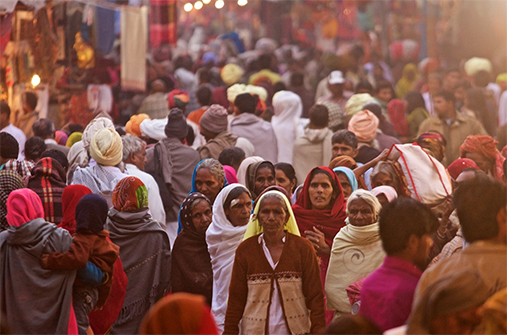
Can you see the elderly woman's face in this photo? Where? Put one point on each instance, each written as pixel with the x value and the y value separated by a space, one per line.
pixel 360 213
pixel 201 216
pixel 263 179
pixel 320 191
pixel 239 211
pixel 482 162
pixel 382 179
pixel 272 216
pixel 207 184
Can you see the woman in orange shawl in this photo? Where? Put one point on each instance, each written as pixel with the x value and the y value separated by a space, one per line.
pixel 482 150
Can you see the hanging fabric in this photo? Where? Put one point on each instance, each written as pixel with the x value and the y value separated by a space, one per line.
pixel 133 47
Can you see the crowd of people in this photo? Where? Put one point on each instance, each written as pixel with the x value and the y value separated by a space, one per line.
pixel 281 197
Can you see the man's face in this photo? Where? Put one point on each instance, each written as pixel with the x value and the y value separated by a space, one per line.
pixel 342 149
pixel 452 79
pixel 139 158
pixel 336 89
pixel 442 106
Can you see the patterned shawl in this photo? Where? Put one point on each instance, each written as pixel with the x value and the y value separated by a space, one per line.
pixel 48 181
pixel 9 181
pixel 130 194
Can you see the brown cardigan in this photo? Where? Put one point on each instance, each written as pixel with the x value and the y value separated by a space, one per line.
pixel 298 278
pixel 87 246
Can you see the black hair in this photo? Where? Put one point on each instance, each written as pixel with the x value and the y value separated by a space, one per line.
pixel 4 108
pixel 120 131
pixel 364 85
pixel 203 95
pixel 246 103
pixel 31 100
pixel 382 84
pixel 204 75
pixel 266 164
pixel 169 83
pixel 375 108
pixel 265 61
pixel 184 61
pixel 43 128
pixel 34 147
pixel 446 94
pixel 231 156
pixel 482 78
pixel 58 156
pixel 352 324
pixel 414 100
pixel 279 86
pixel 345 137
pixel 478 202
pixel 75 128
pixel 402 218
pixel 289 172
pixel 190 138
pixel 504 166
pixel 9 147
pixel 236 192
pixel 319 116
pixel 297 79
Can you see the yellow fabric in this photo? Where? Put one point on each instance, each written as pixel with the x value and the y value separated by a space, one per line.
pixel 133 125
pixel 404 85
pixel 231 74
pixel 73 138
pixel 237 89
pixel 106 147
pixel 254 228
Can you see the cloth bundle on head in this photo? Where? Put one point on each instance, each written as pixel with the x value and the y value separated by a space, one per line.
pixel 9 181
pixel 61 137
pixel 457 292
pixel 94 126
pixel 456 167
pixel 91 213
pixel 189 315
pixel 237 89
pixel 176 126
pixel 356 102
pixel 23 205
pixel 287 108
pixel 106 147
pixel 231 74
pixel 133 126
pixel 73 138
pixel 476 64
pixel 154 129
pixel 177 98
pixel 486 146
pixel 435 141
pixel 386 190
pixel 364 125
pixel 350 176
pixel 71 196
pixel 254 228
pixel 214 119
pixel 130 194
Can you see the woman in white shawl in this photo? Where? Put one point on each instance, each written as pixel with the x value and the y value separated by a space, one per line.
pixel 357 249
pixel 231 214
pixel 288 108
pixel 243 168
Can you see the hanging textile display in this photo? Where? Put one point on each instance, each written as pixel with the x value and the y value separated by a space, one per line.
pixel 133 47
pixel 5 31
pixel 43 44
pixel 104 29
pixel 163 21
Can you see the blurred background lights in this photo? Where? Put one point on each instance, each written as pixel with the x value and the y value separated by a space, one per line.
pixel 198 5
pixel 242 2
pixel 219 4
pixel 206 1
pixel 35 80
pixel 187 7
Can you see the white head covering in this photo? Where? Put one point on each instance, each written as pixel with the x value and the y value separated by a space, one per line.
pixel 288 108
pixel 223 239
pixel 243 167
pixel 94 126
pixel 154 129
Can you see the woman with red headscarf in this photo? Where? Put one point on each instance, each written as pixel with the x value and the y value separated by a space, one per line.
pixel 45 305
pixel 320 214
pixel 482 150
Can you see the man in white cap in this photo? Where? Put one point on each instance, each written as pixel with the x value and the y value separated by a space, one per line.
pixel 335 101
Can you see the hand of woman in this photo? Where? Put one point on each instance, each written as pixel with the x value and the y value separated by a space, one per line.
pixel 318 240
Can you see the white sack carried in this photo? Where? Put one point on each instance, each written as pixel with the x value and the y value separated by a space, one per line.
pixel 427 179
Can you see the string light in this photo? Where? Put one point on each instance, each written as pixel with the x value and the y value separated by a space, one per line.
pixel 219 4
pixel 198 5
pixel 188 7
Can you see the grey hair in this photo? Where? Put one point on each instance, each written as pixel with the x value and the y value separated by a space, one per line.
pixel 275 196
pixel 131 144
pixel 369 198
pixel 215 168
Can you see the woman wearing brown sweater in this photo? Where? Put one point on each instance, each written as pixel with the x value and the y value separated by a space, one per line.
pixel 275 285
